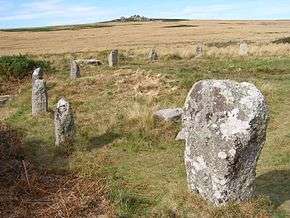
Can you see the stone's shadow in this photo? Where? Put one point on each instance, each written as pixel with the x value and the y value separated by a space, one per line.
pixel 102 140
pixel 275 185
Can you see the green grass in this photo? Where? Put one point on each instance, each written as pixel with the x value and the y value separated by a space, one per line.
pixel 19 66
pixel 118 139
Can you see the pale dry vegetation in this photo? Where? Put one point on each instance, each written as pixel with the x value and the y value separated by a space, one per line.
pixel 166 36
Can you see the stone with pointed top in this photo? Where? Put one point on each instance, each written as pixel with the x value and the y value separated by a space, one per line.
pixel 39 97
pixel 225 126
pixel 113 58
pixel 37 74
pixel 64 123
pixel 74 70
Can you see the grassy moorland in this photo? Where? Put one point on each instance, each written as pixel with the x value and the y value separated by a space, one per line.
pixel 135 157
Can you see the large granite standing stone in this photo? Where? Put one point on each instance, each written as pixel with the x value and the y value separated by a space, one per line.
pixel 244 49
pixel 74 70
pixel 113 58
pixel 153 56
pixel 39 97
pixel 37 74
pixel 64 123
pixel 224 126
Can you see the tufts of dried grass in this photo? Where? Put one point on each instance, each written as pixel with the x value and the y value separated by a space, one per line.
pixel 28 192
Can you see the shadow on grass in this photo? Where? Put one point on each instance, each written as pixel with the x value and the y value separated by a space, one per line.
pixel 275 185
pixel 102 140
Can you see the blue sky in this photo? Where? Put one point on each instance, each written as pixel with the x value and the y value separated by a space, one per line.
pixel 31 13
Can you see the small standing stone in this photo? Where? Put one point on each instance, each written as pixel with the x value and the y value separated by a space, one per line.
pixel 199 51
pixel 39 97
pixel 153 56
pixel 74 70
pixel 224 126
pixel 37 74
pixel 113 58
pixel 64 123
pixel 244 49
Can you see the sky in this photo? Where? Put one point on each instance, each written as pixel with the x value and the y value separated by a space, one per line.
pixel 34 13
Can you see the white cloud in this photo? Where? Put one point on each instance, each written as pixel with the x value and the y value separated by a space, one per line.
pixel 52 9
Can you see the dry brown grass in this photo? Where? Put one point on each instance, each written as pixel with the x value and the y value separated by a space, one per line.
pixel 152 34
pixel 26 191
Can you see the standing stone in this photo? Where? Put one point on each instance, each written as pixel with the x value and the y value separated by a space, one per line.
pixel 153 56
pixel 244 49
pixel 64 123
pixel 113 58
pixel 224 126
pixel 74 70
pixel 37 74
pixel 39 97
pixel 199 51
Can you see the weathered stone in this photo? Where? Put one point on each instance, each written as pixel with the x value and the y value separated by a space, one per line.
pixel 170 114
pixel 74 70
pixel 181 135
pixel 244 49
pixel 37 74
pixel 113 58
pixel 153 56
pixel 4 99
pixel 89 61
pixel 39 97
pixel 64 123
pixel 199 51
pixel 225 129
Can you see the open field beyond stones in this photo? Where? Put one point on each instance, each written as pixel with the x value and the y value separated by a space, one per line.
pixel 118 142
pixel 166 36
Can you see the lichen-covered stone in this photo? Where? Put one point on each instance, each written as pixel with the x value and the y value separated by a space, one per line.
pixel 169 114
pixel 37 74
pixel 153 56
pixel 64 123
pixel 74 70
pixel 225 129
pixel 39 97
pixel 113 58
pixel 244 49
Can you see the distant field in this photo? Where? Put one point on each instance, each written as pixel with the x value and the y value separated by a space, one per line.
pixel 167 36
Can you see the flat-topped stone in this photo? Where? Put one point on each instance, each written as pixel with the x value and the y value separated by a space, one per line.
pixel 244 49
pixel 64 123
pixel 39 97
pixel 89 61
pixel 169 114
pixel 74 70
pixel 113 58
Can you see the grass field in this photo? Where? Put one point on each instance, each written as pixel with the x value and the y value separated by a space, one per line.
pixel 119 143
